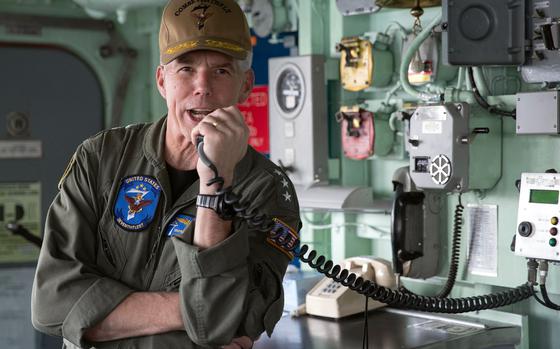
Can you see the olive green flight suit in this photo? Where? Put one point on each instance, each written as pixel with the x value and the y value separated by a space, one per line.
pixel 88 263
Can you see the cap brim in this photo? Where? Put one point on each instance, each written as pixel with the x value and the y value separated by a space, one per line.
pixel 230 49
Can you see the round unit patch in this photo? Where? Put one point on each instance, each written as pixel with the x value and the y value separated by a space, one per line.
pixel 136 202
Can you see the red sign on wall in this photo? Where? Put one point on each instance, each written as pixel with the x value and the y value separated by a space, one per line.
pixel 255 111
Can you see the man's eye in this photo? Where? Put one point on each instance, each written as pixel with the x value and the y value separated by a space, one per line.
pixel 222 71
pixel 186 69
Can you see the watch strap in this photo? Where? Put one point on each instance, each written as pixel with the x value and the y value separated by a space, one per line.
pixel 207 201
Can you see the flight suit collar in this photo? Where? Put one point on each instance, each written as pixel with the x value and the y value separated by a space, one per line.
pixel 154 143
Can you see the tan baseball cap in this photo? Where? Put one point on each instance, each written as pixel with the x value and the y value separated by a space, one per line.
pixel 218 25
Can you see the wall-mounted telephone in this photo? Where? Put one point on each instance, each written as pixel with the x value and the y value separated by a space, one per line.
pixel 330 299
pixel 415 226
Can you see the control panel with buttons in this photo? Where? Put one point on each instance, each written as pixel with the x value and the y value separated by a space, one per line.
pixel 538 216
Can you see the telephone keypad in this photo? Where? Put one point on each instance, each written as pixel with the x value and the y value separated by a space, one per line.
pixel 332 287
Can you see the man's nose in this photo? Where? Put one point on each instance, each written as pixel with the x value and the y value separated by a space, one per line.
pixel 202 84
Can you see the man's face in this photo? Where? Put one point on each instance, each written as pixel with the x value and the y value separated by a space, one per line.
pixel 199 82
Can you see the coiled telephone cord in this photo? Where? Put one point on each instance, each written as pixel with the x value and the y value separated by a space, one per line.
pixel 455 251
pixel 368 288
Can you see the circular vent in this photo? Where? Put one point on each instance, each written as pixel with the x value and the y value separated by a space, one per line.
pixel 440 169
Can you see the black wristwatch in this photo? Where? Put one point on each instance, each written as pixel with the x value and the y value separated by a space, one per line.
pixel 216 203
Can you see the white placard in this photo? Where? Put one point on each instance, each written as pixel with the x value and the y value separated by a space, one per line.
pixel 432 127
pixel 21 149
pixel 482 249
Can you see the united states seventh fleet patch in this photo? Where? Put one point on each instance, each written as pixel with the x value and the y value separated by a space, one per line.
pixel 136 202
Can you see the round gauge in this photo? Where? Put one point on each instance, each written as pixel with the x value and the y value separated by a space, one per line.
pixel 290 91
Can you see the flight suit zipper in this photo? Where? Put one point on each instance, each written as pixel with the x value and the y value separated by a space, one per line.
pixel 107 251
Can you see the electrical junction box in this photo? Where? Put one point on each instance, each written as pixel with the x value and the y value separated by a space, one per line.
pixel 447 150
pixel 298 118
pixel 538 113
pixel 538 216
pixel 481 32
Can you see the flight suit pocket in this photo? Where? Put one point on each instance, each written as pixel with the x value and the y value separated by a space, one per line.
pixel 173 280
pixel 106 256
pixel 109 251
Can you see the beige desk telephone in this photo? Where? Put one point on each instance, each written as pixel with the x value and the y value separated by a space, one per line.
pixel 331 299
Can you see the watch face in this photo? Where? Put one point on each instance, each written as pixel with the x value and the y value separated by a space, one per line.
pixel 290 91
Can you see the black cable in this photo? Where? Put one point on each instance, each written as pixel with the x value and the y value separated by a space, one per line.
pixel 455 251
pixel 209 163
pixel 376 292
pixel 547 300
pixel 539 300
pixel 365 335
pixel 369 288
pixel 482 102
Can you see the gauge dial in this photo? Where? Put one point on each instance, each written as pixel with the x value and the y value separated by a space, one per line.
pixel 290 91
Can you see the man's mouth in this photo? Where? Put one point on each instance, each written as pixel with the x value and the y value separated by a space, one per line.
pixel 199 114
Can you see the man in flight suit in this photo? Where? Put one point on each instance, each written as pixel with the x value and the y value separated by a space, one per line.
pixel 135 254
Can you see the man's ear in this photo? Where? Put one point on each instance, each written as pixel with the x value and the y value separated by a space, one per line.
pixel 247 87
pixel 160 80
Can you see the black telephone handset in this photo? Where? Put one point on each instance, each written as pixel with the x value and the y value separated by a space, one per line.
pixel 232 206
pixel 406 226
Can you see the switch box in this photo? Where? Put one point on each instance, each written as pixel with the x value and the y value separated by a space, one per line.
pixel 538 216
pixel 538 113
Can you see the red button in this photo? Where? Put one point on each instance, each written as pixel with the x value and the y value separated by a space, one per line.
pixel 553 231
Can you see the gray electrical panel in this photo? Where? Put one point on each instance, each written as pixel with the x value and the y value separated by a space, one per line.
pixel 298 118
pixel 538 112
pixel 438 158
pixel 481 32
pixel 445 151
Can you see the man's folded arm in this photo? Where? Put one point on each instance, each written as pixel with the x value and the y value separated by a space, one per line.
pixel 69 293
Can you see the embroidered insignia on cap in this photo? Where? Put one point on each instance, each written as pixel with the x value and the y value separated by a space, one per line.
pixel 136 202
pixel 179 225
pixel 286 239
pixel 201 16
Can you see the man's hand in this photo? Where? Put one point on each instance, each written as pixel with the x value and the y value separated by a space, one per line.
pixel 239 343
pixel 225 144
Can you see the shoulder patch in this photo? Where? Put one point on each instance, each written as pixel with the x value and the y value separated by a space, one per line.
pixel 286 240
pixel 67 170
pixel 179 225
pixel 136 202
